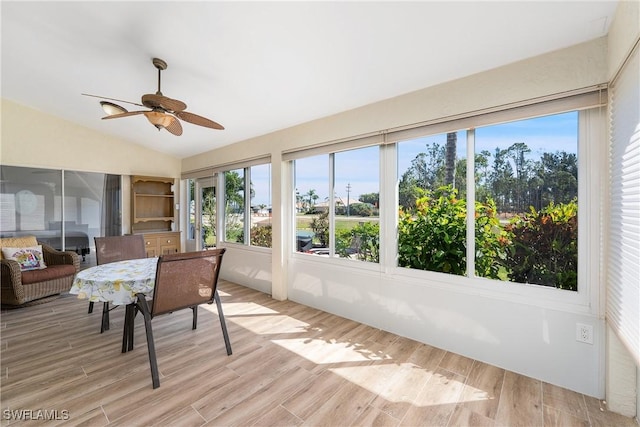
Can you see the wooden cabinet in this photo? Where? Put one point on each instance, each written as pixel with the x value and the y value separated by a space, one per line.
pixel 157 244
pixel 153 214
pixel 152 204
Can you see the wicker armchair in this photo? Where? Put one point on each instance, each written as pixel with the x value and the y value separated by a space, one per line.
pixel 21 288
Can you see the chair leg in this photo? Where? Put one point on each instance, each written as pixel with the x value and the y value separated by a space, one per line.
pixel 105 317
pixel 223 324
pixel 90 307
pixel 195 317
pixel 142 303
pixel 129 325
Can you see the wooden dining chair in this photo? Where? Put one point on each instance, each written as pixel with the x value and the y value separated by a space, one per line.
pixel 112 249
pixel 183 280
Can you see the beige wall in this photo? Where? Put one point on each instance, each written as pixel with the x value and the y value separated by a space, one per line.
pixel 58 144
pixel 623 33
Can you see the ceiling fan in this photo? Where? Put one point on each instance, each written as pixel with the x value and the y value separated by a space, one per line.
pixel 163 112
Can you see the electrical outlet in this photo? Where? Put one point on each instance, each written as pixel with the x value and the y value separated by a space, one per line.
pixel 584 333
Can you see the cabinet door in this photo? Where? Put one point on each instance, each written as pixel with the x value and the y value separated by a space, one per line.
pixel 151 246
pixel 168 244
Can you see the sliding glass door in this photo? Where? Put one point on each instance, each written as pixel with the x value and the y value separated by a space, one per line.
pixel 201 200
pixel 64 209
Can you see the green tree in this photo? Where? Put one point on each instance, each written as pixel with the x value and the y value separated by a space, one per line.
pixel 311 196
pixel 450 159
pixel 371 198
pixel 425 173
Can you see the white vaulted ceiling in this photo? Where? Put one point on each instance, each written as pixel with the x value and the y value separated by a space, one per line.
pixel 256 67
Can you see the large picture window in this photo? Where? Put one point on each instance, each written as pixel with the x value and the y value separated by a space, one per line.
pixel 527 201
pixel 489 201
pixel 524 198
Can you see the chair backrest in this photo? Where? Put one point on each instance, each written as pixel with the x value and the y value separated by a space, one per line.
pixel 185 280
pixel 119 248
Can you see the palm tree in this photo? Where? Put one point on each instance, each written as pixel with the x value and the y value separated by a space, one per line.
pixel 311 194
pixel 450 159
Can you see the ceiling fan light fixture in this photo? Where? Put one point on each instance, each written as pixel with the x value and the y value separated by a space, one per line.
pixel 110 108
pixel 158 119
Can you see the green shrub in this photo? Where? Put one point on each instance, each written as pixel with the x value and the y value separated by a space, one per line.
pixel 362 241
pixel 433 236
pixel 320 226
pixel 261 235
pixel 490 241
pixel 543 247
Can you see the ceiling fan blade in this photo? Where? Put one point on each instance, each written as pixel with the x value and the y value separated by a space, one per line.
pixel 113 99
pixel 198 120
pixel 127 114
pixel 162 120
pixel 155 100
pixel 174 127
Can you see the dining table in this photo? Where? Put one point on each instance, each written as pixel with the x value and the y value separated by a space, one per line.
pixel 118 283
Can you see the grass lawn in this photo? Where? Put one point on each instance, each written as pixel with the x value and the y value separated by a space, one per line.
pixel 303 222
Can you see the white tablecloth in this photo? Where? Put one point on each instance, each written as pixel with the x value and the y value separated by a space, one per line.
pixel 116 282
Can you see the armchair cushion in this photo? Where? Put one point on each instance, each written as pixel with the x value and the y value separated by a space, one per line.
pixel 49 273
pixel 29 258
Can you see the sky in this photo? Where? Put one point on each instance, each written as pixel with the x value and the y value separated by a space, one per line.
pixel 359 169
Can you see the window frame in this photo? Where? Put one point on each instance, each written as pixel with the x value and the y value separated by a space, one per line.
pixel 591 107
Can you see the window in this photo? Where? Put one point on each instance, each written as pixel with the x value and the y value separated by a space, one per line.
pixel 247 214
pixel 432 221
pixel 492 197
pixel 311 204
pixel 234 205
pixel 337 204
pixel 527 201
pixel 356 204
pixel 261 227
pixel 524 200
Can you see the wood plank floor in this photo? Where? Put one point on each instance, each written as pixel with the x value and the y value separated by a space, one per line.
pixel 291 365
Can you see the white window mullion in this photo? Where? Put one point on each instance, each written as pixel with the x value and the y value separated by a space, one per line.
pixel 471 203
pixel 247 206
pixel 388 206
pixel 332 206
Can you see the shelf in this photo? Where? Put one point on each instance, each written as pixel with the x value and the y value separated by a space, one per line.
pixel 154 219
pixel 152 203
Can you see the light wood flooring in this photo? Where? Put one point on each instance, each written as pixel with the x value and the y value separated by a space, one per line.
pixel 291 365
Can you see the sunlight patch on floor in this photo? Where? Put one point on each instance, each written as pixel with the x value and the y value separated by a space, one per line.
pixel 267 324
pixel 240 308
pixel 321 351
